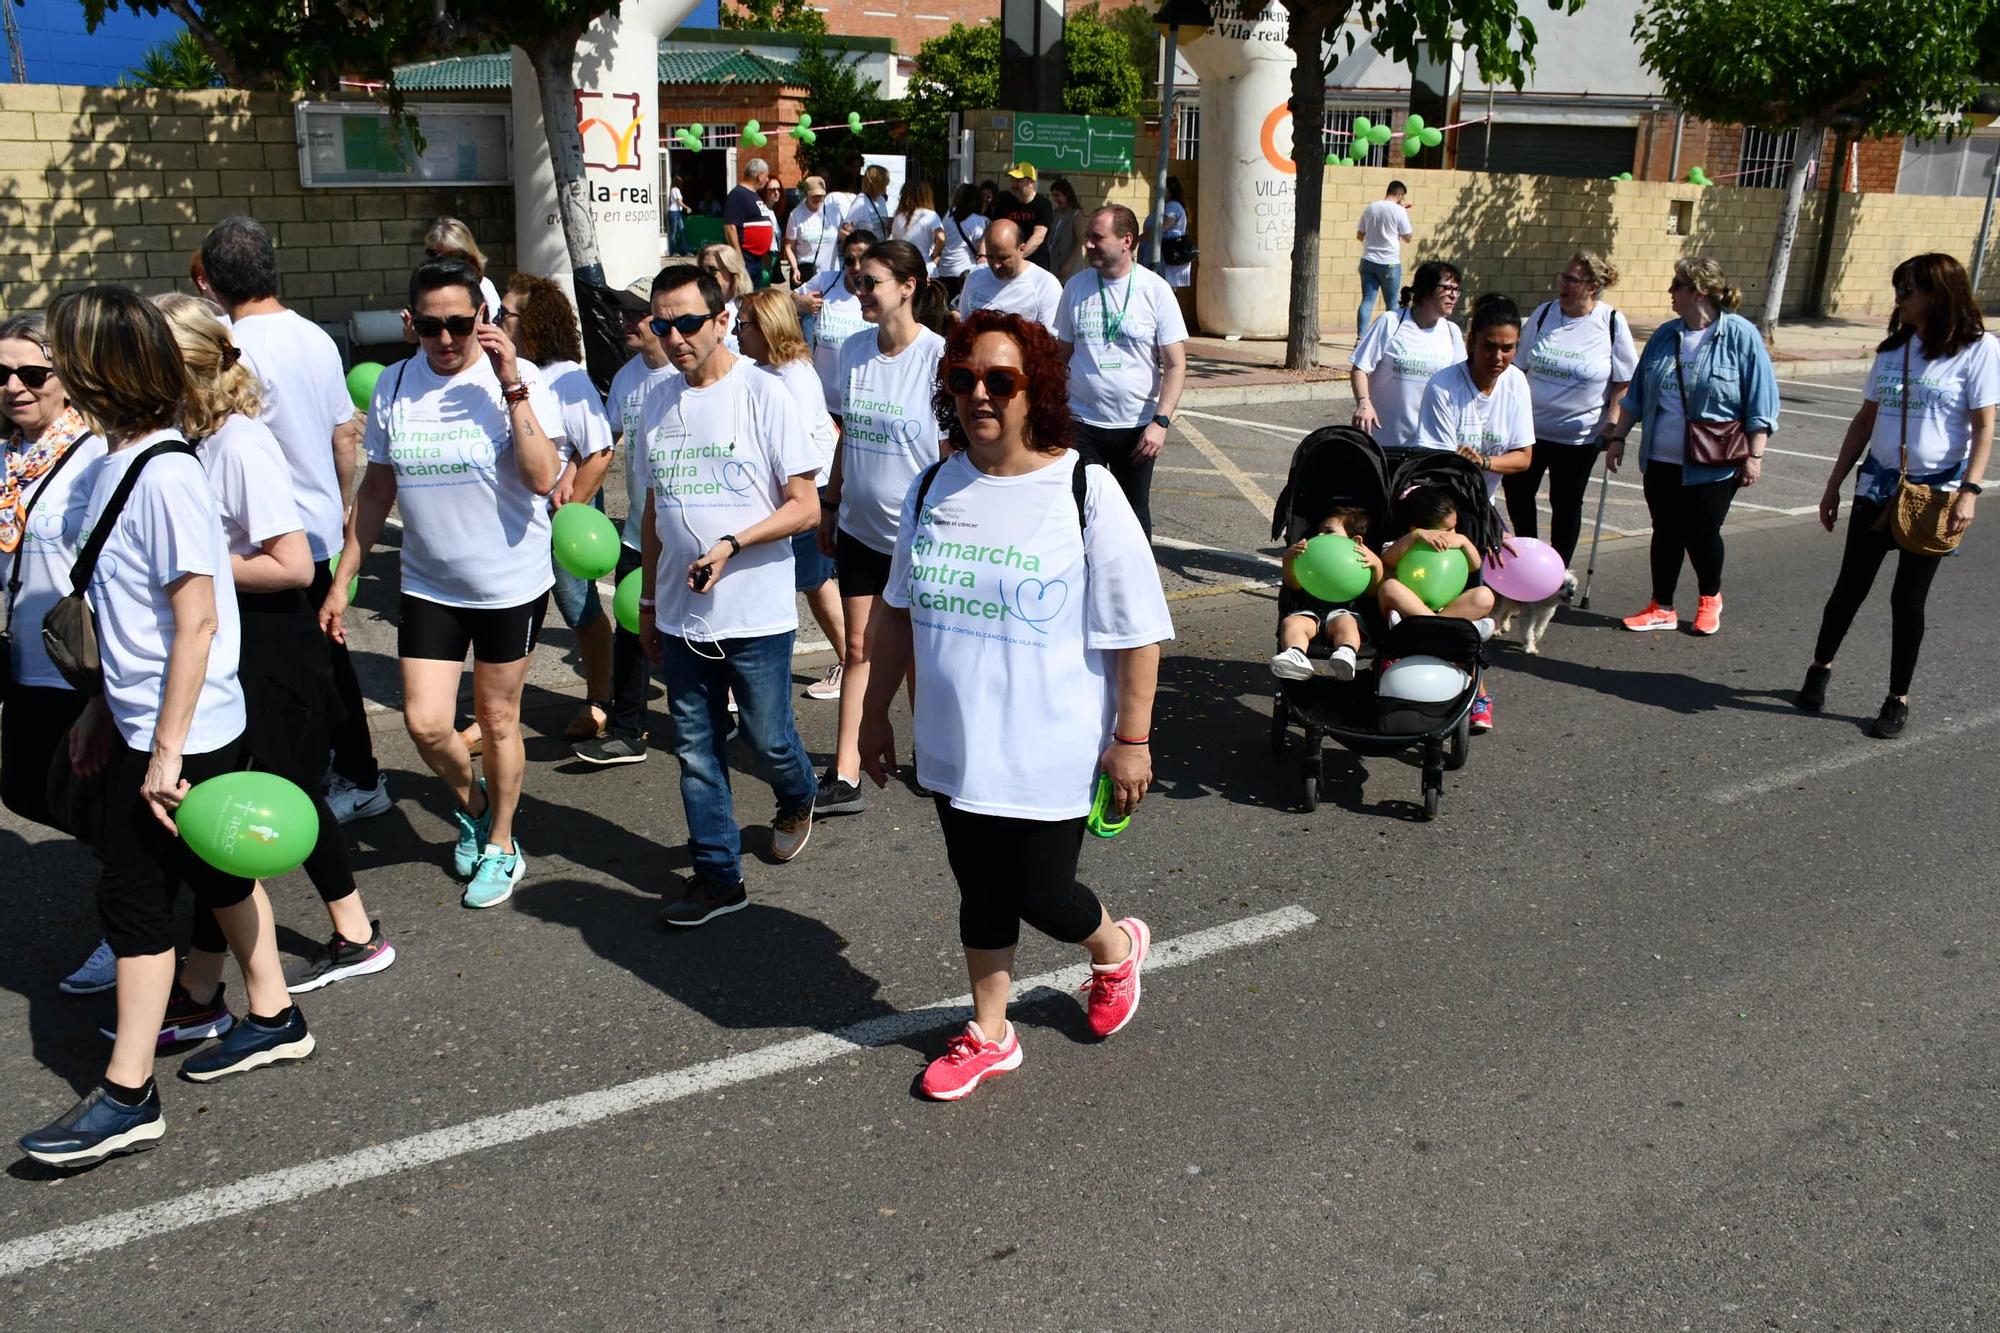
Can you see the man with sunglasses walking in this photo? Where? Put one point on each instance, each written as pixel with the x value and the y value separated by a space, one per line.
pixel 457 442
pixel 729 472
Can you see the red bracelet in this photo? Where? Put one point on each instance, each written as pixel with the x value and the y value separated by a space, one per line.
pixel 1124 741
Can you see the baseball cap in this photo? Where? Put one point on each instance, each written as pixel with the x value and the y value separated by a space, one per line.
pixel 1022 171
pixel 637 296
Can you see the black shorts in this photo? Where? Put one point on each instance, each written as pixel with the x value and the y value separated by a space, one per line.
pixel 145 866
pixel 497 635
pixel 862 570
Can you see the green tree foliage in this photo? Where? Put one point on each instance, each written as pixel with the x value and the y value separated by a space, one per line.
pixel 838 88
pixel 773 16
pixel 180 63
pixel 1099 76
pixel 1142 42
pixel 1873 66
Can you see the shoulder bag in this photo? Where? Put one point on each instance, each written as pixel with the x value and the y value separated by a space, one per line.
pixel 1709 443
pixel 14 568
pixel 69 630
pixel 1918 518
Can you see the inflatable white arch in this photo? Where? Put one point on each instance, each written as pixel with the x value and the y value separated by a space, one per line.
pixel 618 97
pixel 1245 194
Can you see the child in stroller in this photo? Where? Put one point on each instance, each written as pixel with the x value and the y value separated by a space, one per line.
pixel 1431 516
pixel 1302 616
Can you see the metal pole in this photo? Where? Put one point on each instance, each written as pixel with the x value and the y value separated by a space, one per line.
pixel 1603 494
pixel 1154 218
pixel 1985 227
pixel 1680 132
pixel 1486 162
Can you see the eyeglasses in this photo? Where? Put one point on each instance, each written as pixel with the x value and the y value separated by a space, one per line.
pixel 506 313
pixel 1572 279
pixel 1002 382
pixel 711 268
pixel 1680 285
pixel 430 326
pixel 31 377
pixel 1447 289
pixel 685 325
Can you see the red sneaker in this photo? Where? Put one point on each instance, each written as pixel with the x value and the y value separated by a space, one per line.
pixel 1654 617
pixel 1114 991
pixel 968 1058
pixel 1708 615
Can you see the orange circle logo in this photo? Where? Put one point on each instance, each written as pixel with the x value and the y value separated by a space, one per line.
pixel 1267 139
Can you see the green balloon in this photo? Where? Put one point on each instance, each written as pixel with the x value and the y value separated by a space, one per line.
pixel 695 129
pixel 751 126
pixel 1380 134
pixel 1434 576
pixel 854 121
pixel 252 825
pixel 1335 160
pixel 585 541
pixel 1412 145
pixel 1431 137
pixel 807 137
pixel 805 119
pixel 1362 125
pixel 1413 124
pixel 353 584
pixel 1331 568
pixel 361 382
pixel 1360 155
pixel 625 601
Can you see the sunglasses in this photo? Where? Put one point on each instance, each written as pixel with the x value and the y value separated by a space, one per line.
pixel 685 325
pixel 430 326
pixel 862 282
pixel 1002 382
pixel 31 377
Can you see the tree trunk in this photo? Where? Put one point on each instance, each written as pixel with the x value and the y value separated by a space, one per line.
pixel 233 74
pixel 1308 25
pixel 554 60
pixel 1812 134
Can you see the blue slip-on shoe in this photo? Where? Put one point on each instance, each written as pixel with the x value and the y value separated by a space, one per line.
pixel 250 1045
pixel 95 1128
pixel 471 837
pixel 98 973
pixel 493 883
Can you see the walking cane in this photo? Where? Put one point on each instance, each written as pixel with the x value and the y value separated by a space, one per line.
pixel 1590 572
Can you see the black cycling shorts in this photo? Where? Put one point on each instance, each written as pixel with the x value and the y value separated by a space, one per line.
pixel 497 635
pixel 862 570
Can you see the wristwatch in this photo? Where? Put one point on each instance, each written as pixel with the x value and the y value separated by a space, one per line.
pixel 735 547
pixel 1162 420
pixel 1971 488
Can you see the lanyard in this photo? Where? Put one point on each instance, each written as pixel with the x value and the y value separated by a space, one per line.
pixel 1114 324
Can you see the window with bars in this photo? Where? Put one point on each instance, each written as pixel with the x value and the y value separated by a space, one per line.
pixel 1766 156
pixel 721 136
pixel 1187 126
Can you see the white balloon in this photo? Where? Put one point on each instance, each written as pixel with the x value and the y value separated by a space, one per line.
pixel 1423 680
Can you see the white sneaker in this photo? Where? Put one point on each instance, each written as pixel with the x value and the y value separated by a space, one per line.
pixel 827 686
pixel 1485 627
pixel 1292 664
pixel 1341 665
pixel 349 802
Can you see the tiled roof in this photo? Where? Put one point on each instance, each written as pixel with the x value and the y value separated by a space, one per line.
pixel 496 71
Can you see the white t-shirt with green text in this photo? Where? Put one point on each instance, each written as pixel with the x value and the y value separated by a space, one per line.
pixel 1571 363
pixel 1456 415
pixel 1399 357
pixel 888 431
pixel 1117 326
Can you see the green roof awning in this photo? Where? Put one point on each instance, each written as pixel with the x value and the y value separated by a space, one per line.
pixel 495 71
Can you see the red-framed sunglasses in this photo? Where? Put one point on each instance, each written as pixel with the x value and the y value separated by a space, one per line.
pixel 1001 382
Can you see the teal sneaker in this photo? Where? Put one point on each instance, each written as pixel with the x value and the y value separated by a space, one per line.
pixel 471 837
pixel 496 877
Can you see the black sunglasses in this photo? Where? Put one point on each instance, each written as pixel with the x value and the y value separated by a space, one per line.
pixel 862 282
pixel 1001 382
pixel 430 326
pixel 32 377
pixel 685 325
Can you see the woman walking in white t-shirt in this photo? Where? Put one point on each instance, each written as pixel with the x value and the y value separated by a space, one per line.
pixel 964 232
pixel 917 222
pixel 889 435
pixel 170 716
pixel 1578 355
pixel 1024 595
pixel 1401 352
pixel 870 209
pixel 1927 413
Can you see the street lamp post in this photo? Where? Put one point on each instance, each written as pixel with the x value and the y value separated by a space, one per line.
pixel 1171 18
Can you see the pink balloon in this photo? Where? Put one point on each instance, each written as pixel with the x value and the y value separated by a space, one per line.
pixel 1526 570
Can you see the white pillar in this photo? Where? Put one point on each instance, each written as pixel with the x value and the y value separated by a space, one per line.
pixel 618 89
pixel 1245 196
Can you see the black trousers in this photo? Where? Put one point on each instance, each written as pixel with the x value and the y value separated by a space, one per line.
pixel 1014 870
pixel 630 677
pixel 353 746
pixel 144 866
pixel 1866 548
pixel 1568 467
pixel 1134 475
pixel 34 726
pixel 1687 524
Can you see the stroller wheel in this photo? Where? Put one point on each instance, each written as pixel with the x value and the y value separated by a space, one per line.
pixel 1310 775
pixel 1280 720
pixel 1433 797
pixel 1458 749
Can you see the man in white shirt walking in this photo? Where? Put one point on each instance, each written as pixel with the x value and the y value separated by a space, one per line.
pixel 1010 284
pixel 307 407
pixel 1384 226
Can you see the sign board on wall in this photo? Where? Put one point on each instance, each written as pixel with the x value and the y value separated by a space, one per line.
pixel 354 144
pixel 1075 143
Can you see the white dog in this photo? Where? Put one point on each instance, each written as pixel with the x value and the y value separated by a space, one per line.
pixel 1539 615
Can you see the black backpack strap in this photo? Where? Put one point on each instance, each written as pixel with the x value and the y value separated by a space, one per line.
pixel 86 560
pixel 1542 317
pixel 1079 485
pixel 924 485
pixel 27 512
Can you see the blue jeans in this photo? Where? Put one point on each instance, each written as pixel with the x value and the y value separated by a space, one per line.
pixel 1384 278
pixel 760 671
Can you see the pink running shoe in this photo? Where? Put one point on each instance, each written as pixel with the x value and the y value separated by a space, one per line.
pixel 1114 991
pixel 1654 617
pixel 968 1058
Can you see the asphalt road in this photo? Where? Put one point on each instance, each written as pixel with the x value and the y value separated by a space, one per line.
pixel 1681 1017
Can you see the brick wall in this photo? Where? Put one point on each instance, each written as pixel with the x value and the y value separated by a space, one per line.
pixel 120 185
pixel 1718 150
pixel 774 109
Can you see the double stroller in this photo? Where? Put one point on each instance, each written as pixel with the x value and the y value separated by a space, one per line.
pixel 1338 466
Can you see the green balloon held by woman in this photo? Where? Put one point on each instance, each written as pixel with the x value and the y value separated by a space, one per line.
pixel 252 825
pixel 585 541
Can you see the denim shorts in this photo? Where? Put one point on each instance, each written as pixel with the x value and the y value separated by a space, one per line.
pixel 809 568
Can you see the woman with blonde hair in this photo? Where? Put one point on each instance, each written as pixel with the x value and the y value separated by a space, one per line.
pixel 768 328
pixel 1705 367
pixel 286 664
pixel 450 238
pixel 917 222
pixel 870 210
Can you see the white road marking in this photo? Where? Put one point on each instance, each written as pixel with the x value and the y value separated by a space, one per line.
pixel 1176 544
pixel 1226 465
pixel 1793 453
pixel 1739 504
pixel 421 1150
pixel 1211 472
pixel 1808 384
pixel 1863 753
pixel 1822 416
pixel 1292 433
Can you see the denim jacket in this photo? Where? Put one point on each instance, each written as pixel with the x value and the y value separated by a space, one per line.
pixel 1732 380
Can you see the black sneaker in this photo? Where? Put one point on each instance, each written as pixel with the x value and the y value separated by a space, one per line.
pixel 611 748
pixel 1890 721
pixel 340 958
pixel 98 1127
pixel 250 1045
pixel 704 899
pixel 1812 694
pixel 188 1019
pixel 838 797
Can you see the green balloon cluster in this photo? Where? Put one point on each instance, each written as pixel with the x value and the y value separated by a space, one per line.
pixel 1418 136
pixel 753 134
pixel 585 541
pixel 1331 568
pixel 1697 176
pixel 854 122
pixel 689 137
pixel 361 382
pixel 803 131
pixel 1435 576
pixel 1622 176
pixel 251 825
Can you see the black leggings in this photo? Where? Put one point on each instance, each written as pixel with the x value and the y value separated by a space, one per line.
pixel 1114 447
pixel 1569 467
pixel 34 726
pixel 1014 870
pixel 353 745
pixel 630 677
pixel 1687 521
pixel 1858 564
